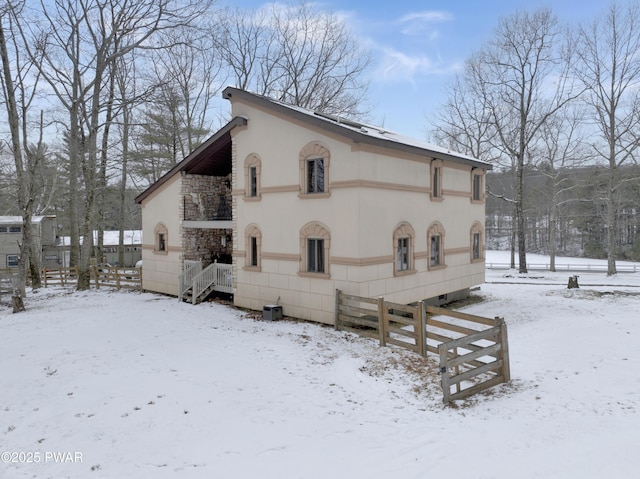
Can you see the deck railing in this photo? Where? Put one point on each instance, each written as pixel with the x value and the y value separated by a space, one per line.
pixel 218 275
pixel 185 279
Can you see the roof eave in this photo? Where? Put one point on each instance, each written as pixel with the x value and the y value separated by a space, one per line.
pixel 237 121
pixel 357 137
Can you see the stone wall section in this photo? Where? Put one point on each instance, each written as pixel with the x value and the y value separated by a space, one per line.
pixel 206 198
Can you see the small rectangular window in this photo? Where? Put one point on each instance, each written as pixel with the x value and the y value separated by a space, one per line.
pixel 315 255
pixel 477 187
pixel 402 256
pixel 476 245
pixel 3 229
pixel 15 229
pixel 435 250
pixel 436 182
pixel 12 261
pixel 253 181
pixel 254 252
pixel 315 175
pixel 161 242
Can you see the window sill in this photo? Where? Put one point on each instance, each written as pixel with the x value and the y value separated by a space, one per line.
pixel 406 272
pixel 253 198
pixel 255 269
pixel 314 275
pixel 163 253
pixel 437 198
pixel 306 196
pixel 437 267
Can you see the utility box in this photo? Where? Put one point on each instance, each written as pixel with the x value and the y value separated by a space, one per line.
pixel 272 312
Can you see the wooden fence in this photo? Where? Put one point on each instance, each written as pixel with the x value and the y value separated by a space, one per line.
pixel 102 276
pixel 473 350
pixel 6 282
pixel 59 276
pixel 117 277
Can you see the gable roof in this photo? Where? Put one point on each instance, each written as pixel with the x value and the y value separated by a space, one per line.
pixel 210 158
pixel 356 131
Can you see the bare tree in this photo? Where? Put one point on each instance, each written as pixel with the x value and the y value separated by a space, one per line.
pixel 78 43
pixel 298 55
pixel 19 86
pixel 609 67
pixel 522 72
pixel 562 148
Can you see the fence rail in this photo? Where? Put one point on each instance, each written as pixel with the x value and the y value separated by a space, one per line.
pixel 59 276
pixel 577 268
pixel 101 276
pixel 473 350
pixel 118 277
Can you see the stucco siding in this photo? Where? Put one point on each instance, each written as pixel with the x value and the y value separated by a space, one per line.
pixel 161 269
pixel 370 195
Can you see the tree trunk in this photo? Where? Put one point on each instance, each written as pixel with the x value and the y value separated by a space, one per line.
pixel 611 226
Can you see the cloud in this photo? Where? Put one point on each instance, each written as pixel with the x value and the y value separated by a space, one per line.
pixel 397 66
pixel 423 23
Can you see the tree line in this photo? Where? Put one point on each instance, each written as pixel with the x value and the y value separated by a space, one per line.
pixel 551 98
pixel 571 222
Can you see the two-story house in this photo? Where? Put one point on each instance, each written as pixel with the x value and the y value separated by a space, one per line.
pixel 301 203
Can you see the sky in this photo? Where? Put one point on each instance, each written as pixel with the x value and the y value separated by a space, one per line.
pixel 418 46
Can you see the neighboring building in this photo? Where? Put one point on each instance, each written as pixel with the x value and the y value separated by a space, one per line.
pixel 44 235
pixel 317 203
pixel 132 245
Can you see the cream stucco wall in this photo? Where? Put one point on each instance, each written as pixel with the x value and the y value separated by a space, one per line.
pixel 371 192
pixel 161 269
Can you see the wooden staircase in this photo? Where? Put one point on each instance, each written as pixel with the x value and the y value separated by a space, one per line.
pixel 197 283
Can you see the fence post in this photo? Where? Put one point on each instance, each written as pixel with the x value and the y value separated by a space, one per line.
pixel 444 373
pixel 95 275
pixel 117 277
pixel 504 349
pixel 422 324
pixel 382 329
pixel 336 322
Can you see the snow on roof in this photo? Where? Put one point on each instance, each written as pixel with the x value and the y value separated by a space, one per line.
pixel 13 220
pixel 367 130
pixel 111 238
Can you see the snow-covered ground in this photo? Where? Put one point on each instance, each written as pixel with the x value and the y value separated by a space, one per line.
pixel 130 385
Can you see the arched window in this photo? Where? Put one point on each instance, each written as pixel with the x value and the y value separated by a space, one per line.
pixel 252 174
pixel 477 243
pixel 253 248
pixel 314 171
pixel 435 244
pixel 403 245
pixel 161 239
pixel 315 243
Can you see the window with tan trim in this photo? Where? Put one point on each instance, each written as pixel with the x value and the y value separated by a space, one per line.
pixel 436 179
pixel 403 244
pixel 315 244
pixel 161 239
pixel 435 243
pixel 314 161
pixel 477 193
pixel 477 243
pixel 253 248
pixel 252 174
